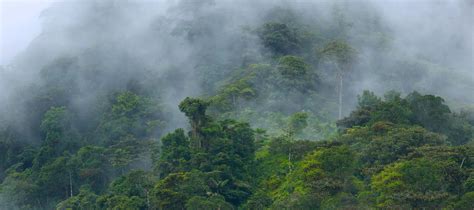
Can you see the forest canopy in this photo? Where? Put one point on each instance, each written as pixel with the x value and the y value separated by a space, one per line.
pixel 250 105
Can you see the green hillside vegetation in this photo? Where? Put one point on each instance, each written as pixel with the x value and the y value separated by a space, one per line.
pixel 387 154
pixel 277 125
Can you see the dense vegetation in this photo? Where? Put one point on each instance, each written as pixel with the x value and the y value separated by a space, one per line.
pixel 387 154
pixel 266 132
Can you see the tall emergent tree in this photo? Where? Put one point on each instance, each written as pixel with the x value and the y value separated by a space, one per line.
pixel 195 110
pixel 340 55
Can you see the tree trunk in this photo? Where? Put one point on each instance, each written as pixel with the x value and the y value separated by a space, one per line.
pixel 340 95
pixel 234 101
pixel 289 160
pixel 147 199
pixel 195 133
pixel 70 182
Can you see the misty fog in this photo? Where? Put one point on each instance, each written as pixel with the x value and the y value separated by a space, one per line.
pixel 131 40
pixel 90 51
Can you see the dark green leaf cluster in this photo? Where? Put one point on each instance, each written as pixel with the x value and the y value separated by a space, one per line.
pixel 427 111
pixel 80 167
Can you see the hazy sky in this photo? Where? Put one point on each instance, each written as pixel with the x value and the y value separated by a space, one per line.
pixel 20 21
pixel 19 24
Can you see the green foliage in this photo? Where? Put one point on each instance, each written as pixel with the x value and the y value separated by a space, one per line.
pixel 213 202
pixel 418 183
pixel 368 100
pixel 279 38
pixel 298 122
pixel 293 67
pixel 130 115
pixel 392 153
pixel 328 170
pixel 131 191
pixel 389 156
pixel 174 190
pixel 262 135
pixel 430 110
pixel 54 178
pixel 91 143
pixel 230 96
pixel 296 74
pixel 86 199
pixel 17 190
pixel 320 175
pixel 127 150
pixel 194 109
pixel 175 153
pixel 466 201
pixel 59 133
pixel 339 53
pixel 120 202
pixel 92 167
pixel 136 183
pixel 383 143
pixel 54 122
pixel 433 114
pixel 415 109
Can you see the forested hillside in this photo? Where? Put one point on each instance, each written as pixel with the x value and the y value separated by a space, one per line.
pixel 249 105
